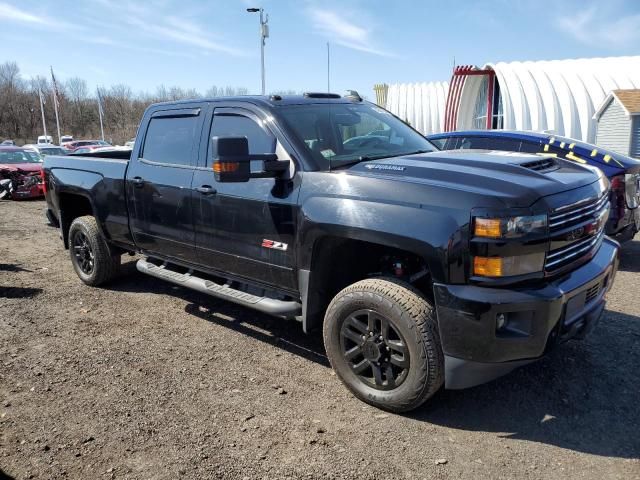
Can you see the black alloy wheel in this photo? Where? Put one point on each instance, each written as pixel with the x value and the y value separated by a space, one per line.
pixel 375 349
pixel 83 252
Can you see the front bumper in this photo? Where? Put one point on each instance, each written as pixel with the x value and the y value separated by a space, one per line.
pixel 32 191
pixel 476 351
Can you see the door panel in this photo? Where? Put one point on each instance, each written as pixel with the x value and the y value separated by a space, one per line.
pixel 235 226
pixel 159 184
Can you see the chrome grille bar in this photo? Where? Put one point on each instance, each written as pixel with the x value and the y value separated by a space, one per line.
pixel 589 210
pixel 573 250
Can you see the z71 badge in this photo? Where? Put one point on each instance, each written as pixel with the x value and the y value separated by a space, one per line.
pixel 275 245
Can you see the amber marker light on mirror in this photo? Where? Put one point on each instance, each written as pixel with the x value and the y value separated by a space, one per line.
pixel 225 167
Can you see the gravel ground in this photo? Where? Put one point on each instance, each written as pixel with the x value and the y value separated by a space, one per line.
pixel 146 380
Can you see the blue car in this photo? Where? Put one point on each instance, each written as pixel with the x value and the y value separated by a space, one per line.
pixel 623 172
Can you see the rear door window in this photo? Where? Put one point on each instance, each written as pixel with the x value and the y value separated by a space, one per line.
pixel 171 140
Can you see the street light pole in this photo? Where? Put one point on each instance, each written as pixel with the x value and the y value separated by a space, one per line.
pixel 264 33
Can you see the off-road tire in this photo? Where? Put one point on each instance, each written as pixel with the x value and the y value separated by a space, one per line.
pixel 414 317
pixel 106 264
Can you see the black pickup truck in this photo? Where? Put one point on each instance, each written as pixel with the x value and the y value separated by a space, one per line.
pixel 422 268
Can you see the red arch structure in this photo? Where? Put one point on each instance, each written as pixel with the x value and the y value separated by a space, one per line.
pixel 458 79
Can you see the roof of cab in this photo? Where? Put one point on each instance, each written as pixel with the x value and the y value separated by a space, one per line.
pixel 267 100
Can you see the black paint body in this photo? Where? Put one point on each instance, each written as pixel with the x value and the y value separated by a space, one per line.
pixel 423 207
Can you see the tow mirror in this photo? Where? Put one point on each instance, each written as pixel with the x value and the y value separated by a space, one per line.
pixel 232 161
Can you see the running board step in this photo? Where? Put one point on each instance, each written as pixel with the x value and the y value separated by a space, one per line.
pixel 188 280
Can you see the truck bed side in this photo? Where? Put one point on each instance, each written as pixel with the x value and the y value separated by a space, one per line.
pixel 79 186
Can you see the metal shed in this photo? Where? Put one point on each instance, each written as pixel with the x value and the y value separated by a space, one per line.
pixel 618 122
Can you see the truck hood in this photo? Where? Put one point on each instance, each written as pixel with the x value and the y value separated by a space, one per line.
pixel 510 176
pixel 21 167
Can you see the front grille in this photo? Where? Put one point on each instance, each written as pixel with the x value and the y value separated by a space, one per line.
pixel 541 165
pixel 576 231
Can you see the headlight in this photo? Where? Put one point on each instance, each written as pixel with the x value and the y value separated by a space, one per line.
pixel 511 227
pixel 508 266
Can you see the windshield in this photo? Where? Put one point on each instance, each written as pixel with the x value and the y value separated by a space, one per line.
pixel 19 156
pixel 342 134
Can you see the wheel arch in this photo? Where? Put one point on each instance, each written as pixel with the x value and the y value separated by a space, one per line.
pixel 71 206
pixel 336 260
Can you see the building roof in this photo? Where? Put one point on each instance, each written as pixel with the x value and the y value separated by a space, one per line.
pixel 629 99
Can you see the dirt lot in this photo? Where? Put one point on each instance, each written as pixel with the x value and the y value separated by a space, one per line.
pixel 146 380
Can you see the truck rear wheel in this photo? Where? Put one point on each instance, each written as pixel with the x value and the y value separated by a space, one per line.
pixel 382 340
pixel 91 256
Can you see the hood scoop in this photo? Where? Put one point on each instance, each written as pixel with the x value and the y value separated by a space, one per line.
pixel 542 165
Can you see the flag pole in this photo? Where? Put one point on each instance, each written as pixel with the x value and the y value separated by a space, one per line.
pixel 44 124
pixel 100 112
pixel 55 103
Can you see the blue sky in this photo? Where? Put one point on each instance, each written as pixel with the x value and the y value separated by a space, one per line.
pixel 199 43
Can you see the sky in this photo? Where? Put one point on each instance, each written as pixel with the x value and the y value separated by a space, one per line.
pixel 200 43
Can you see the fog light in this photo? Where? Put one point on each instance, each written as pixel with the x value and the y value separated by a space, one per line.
pixel 501 320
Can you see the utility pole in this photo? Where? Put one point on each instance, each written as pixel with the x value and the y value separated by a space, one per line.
pixel 264 33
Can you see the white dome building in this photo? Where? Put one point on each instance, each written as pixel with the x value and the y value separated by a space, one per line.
pixel 558 96
pixel 420 104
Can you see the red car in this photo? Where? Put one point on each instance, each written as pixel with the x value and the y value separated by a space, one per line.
pixel 20 173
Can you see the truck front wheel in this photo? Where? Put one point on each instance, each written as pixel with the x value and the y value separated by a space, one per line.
pixel 91 256
pixel 382 340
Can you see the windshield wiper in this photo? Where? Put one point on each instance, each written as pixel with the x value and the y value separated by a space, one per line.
pixel 361 158
pixel 416 152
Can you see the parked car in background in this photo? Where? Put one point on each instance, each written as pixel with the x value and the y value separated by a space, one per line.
pixel 8 142
pixel 623 172
pixel 20 173
pixel 91 148
pixel 65 140
pixel 86 143
pixel 45 139
pixel 45 150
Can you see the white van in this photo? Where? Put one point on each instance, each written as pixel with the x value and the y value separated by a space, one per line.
pixel 42 139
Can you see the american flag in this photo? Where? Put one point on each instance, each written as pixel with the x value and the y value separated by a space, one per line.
pixel 56 92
